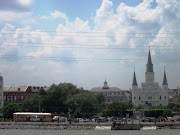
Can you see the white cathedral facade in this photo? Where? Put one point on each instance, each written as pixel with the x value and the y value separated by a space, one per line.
pixel 150 93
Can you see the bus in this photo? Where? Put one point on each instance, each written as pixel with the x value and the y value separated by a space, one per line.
pixel 31 116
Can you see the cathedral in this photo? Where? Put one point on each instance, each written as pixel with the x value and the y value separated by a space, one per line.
pixel 150 93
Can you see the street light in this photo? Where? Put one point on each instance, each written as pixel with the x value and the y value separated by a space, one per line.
pixel 39 104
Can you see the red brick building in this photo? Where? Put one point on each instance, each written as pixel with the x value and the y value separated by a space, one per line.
pixel 16 94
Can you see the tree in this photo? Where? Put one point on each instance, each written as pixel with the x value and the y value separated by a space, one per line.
pixel 167 113
pixel 171 105
pixel 9 109
pixel 99 97
pixel 58 98
pixel 84 101
pixel 117 109
pixel 78 113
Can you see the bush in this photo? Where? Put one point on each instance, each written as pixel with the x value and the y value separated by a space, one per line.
pixel 157 112
pixel 167 112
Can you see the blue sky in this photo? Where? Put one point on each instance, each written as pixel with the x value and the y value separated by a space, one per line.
pixel 85 41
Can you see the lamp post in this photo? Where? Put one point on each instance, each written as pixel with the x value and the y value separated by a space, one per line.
pixel 39 104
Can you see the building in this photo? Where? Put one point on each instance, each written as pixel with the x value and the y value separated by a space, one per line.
pixel 112 94
pixel 150 93
pixel 16 94
pixel 1 92
pixel 173 95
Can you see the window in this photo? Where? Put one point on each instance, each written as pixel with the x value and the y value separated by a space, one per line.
pixel 139 98
pixel 22 97
pixel 165 97
pixel 11 98
pixel 108 100
pixel 7 98
pixel 4 98
pixel 150 98
pixel 134 97
pixel 14 98
pixel 160 97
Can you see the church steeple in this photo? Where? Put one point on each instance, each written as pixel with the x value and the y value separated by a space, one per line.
pixel 164 78
pixel 134 79
pixel 149 65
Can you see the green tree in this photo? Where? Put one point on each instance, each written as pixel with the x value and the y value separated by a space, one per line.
pixel 171 105
pixel 85 101
pixel 117 109
pixel 78 113
pixel 58 98
pixel 167 113
pixel 9 109
pixel 99 97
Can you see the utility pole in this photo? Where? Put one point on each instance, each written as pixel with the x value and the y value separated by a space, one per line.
pixel 39 104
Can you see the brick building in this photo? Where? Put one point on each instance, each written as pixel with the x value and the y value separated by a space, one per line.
pixel 16 94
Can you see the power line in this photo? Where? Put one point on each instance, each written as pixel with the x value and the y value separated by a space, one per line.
pixel 38 31
pixel 80 46
pixel 85 59
pixel 98 36
pixel 84 34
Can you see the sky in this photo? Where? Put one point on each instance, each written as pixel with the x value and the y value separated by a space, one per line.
pixel 85 42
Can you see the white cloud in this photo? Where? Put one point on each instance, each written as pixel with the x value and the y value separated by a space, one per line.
pixel 58 14
pixel 25 2
pixel 44 17
pixel 126 26
pixel 41 52
pixel 9 16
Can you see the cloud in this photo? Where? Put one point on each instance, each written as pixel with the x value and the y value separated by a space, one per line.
pixel 16 11
pixel 16 5
pixel 125 26
pixel 9 16
pixel 58 14
pixel 44 17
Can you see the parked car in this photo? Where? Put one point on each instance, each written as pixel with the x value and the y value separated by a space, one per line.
pixel 55 118
pixel 176 118
pixel 170 119
pixel 161 118
pixel 148 119
pixel 81 120
pixel 102 119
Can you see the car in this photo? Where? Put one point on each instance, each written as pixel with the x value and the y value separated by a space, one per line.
pixel 56 118
pixel 170 119
pixel 176 118
pixel 102 119
pixel 161 118
pixel 148 119
pixel 81 120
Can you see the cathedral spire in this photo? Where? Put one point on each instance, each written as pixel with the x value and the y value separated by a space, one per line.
pixel 149 65
pixel 134 79
pixel 164 78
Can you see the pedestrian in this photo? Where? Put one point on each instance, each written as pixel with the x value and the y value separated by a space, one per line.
pixel 58 119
